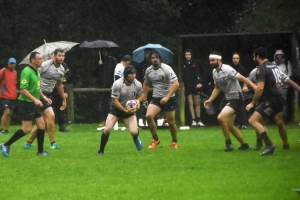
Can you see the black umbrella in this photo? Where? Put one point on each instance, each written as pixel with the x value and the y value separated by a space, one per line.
pixel 98 44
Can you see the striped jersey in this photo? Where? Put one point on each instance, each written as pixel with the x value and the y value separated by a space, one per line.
pixel 226 79
pixel 50 75
pixel 125 92
pixel 161 79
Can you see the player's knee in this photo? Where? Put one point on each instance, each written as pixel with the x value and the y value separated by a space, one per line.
pixel 221 118
pixel 149 116
pixel 251 121
pixel 279 122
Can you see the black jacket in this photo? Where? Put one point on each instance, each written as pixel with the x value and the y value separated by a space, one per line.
pixel 193 73
pixel 141 70
pixel 104 73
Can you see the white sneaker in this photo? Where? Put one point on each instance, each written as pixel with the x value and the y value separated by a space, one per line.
pixel 141 123
pixel 146 123
pixel 194 123
pixel 200 124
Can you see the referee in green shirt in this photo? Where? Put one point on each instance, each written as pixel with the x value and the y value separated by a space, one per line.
pixel 29 105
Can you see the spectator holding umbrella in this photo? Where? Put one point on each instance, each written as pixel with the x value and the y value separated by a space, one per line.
pixel 103 68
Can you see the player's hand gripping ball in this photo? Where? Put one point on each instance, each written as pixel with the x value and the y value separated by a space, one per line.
pixel 131 105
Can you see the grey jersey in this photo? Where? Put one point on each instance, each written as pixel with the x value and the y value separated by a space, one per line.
pixel 125 92
pixel 161 79
pixel 252 76
pixel 226 79
pixel 50 75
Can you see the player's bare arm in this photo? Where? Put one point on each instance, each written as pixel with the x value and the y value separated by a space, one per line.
pixel 213 95
pixel 257 94
pixel 173 89
pixel 246 81
pixel 60 89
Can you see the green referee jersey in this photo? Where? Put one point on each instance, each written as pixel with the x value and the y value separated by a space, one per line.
pixel 31 81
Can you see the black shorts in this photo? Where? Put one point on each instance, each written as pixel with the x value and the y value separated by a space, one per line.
pixel 29 111
pixel 188 92
pixel 169 106
pixel 119 114
pixel 237 105
pixel 8 103
pixel 45 103
pixel 270 108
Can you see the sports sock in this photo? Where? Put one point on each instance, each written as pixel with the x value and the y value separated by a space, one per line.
pixel 266 138
pixel 18 134
pixel 40 134
pixel 135 137
pixel 198 119
pixel 259 141
pixel 104 139
pixel 228 141
pixel 155 137
pixel 174 140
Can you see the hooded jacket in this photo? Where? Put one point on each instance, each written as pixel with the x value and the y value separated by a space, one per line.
pixel 283 65
pixel 191 75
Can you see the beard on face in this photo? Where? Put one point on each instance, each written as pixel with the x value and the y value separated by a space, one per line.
pixel 155 64
pixel 214 65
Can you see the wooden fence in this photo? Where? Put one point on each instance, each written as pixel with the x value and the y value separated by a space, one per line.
pixel 70 100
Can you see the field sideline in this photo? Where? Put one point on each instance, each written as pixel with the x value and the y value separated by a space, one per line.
pixel 198 169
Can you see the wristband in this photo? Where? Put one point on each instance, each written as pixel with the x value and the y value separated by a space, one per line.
pixel 45 97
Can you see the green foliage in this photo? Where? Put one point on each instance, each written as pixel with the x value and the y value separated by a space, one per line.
pixel 198 169
pixel 273 15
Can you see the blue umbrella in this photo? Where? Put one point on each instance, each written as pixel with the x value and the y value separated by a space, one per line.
pixel 166 54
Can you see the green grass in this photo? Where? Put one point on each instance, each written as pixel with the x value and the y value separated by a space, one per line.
pixel 198 169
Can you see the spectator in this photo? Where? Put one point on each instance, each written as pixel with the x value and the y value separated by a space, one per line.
pixel 192 85
pixel 140 76
pixel 8 95
pixel 125 61
pixel 284 66
pixel 103 69
pixel 242 120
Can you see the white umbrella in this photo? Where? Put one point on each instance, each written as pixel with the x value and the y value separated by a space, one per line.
pixel 48 48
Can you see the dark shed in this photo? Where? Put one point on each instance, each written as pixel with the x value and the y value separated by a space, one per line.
pixel 244 43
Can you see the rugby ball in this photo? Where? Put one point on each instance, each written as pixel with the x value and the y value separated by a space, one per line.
pixel 131 105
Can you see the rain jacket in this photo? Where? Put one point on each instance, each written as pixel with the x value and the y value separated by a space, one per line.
pixel 283 65
pixel 105 72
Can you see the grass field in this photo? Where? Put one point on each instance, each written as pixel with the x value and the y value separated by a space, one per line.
pixel 198 169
